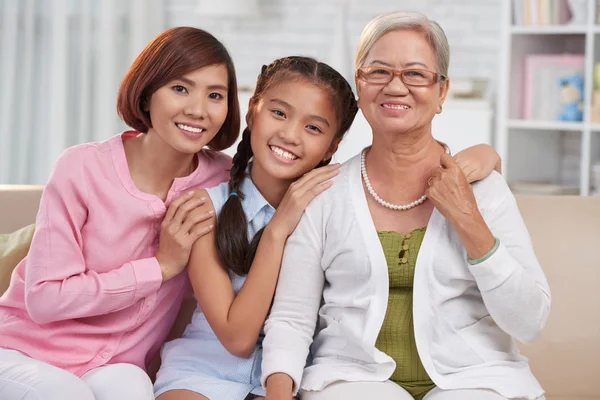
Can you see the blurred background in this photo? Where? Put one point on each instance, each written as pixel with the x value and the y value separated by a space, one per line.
pixel 522 73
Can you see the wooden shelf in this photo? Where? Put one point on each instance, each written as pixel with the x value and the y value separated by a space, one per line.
pixel 546 125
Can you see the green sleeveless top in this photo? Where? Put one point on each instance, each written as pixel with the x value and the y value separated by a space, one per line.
pixel 397 336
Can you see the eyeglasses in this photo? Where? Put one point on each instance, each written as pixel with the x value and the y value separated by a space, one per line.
pixel 411 77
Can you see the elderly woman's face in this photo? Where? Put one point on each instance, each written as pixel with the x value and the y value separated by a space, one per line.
pixel 396 106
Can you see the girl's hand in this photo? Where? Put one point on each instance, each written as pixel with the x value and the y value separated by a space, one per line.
pixel 477 162
pixel 450 192
pixel 279 387
pixel 180 228
pixel 297 197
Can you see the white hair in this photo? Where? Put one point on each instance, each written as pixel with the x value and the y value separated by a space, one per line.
pixel 385 23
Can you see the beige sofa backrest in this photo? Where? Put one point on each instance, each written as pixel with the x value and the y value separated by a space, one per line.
pixel 18 206
pixel 566 237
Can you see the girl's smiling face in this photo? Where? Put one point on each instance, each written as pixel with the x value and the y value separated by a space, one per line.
pixel 293 129
pixel 188 112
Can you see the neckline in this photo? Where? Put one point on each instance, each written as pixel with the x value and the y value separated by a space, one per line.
pixel 422 229
pixel 122 168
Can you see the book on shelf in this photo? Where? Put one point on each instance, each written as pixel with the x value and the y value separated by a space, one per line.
pixel 541 94
pixel 541 12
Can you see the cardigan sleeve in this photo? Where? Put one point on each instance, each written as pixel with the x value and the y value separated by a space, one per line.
pixel 511 281
pixel 291 324
pixel 58 286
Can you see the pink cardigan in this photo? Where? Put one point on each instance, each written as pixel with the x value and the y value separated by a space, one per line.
pixel 90 291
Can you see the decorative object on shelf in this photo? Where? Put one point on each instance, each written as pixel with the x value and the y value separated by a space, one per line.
pixel 578 12
pixel 571 95
pixel 542 95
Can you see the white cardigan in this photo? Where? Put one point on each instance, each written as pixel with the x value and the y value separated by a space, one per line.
pixel 465 317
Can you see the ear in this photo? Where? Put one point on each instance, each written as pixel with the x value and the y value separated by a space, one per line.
pixel 444 86
pixel 145 105
pixel 332 148
pixel 358 89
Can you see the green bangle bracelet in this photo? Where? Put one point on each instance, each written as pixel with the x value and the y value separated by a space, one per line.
pixel 486 255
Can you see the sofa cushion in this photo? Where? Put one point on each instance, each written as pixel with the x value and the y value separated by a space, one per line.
pixel 13 248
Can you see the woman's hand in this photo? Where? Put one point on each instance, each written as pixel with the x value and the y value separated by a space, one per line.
pixel 298 196
pixel 453 197
pixel 477 162
pixel 180 228
pixel 450 192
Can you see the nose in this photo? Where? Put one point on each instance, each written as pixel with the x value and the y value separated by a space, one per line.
pixel 195 108
pixel 396 87
pixel 290 133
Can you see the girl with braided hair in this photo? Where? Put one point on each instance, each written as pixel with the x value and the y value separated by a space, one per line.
pixel 297 116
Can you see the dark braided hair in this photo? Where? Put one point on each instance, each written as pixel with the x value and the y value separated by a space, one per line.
pixel 231 231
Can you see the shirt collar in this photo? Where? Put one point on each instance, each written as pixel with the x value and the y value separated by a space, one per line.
pixel 254 201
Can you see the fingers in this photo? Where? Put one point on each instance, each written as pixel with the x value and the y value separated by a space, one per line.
pixel 193 218
pixel 184 209
pixel 446 161
pixel 315 190
pixel 199 230
pixel 316 176
pixel 175 205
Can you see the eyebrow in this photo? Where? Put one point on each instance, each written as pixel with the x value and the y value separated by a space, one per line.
pixel 210 87
pixel 288 105
pixel 410 64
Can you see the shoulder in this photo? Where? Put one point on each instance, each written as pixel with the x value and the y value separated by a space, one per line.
pixel 217 159
pixel 217 165
pixel 491 191
pixel 218 195
pixel 338 197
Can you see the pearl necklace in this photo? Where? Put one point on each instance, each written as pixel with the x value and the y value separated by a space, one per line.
pixel 399 207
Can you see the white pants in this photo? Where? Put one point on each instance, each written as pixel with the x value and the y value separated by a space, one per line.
pixel 23 378
pixel 388 390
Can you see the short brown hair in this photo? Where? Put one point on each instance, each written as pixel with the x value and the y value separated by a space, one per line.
pixel 172 54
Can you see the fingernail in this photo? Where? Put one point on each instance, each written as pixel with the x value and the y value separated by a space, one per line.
pixel 190 193
pixel 211 212
pixel 202 198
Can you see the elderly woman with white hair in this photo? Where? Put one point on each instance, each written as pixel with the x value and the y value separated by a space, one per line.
pixel 417 282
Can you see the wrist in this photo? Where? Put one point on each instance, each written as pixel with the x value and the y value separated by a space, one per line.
pixel 274 234
pixel 280 383
pixel 165 268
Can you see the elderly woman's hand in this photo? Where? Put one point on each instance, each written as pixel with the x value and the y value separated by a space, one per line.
pixel 453 197
pixel 450 192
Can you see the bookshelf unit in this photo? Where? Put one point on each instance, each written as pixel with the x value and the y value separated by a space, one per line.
pixel 548 155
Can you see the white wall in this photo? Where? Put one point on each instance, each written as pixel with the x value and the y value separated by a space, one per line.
pixel 308 27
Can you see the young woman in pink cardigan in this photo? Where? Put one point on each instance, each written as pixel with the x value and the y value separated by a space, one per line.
pixel 95 298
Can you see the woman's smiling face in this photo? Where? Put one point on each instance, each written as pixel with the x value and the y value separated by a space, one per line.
pixel 397 107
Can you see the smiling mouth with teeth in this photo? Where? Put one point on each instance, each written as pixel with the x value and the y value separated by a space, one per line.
pixel 283 154
pixel 396 106
pixel 191 129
